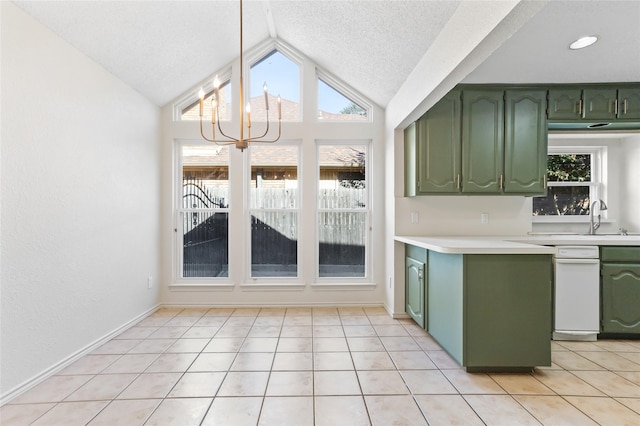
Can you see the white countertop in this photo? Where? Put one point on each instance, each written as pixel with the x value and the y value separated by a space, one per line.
pixel 525 244
pixel 475 245
pixel 578 240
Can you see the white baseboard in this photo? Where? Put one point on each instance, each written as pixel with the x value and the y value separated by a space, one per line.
pixel 42 376
pixel 274 305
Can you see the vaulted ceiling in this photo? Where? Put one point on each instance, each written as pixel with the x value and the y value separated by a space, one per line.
pixel 163 48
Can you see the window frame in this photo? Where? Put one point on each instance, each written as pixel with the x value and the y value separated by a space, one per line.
pixel 367 278
pixel 597 185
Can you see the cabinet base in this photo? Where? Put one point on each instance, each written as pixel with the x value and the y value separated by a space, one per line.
pixel 499 369
pixel 582 336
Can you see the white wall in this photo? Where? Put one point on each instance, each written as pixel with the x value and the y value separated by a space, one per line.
pixel 238 289
pixel 80 201
pixel 630 184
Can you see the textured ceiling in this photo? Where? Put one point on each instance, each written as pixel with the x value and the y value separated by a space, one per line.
pixel 538 52
pixel 163 48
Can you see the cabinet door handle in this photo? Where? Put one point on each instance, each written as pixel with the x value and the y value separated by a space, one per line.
pixel 624 107
pixel 544 182
pixel 615 106
pixel 458 182
pixel 501 182
pixel 419 274
pixel 580 110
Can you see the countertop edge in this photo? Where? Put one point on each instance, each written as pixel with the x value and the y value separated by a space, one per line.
pixel 474 245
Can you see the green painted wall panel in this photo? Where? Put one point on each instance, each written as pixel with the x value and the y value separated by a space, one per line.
pixel 444 310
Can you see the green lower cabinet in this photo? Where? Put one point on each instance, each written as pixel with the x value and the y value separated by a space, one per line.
pixel 415 263
pixel 491 312
pixel 620 297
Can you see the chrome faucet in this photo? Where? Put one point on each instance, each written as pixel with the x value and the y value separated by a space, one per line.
pixel 594 226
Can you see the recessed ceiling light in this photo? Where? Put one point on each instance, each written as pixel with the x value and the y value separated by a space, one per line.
pixel 583 42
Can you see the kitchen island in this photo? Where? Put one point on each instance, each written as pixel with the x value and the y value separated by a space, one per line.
pixel 486 301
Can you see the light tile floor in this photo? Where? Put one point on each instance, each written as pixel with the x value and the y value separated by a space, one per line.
pixel 320 366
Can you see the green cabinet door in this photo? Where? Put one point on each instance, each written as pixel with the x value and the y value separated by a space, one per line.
pixel 410 148
pixel 482 141
pixel 621 297
pixel 525 142
pixel 507 311
pixel 439 147
pixel 599 104
pixel 415 289
pixel 629 103
pixel 564 104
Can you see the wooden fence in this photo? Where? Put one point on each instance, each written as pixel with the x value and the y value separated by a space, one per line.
pixel 274 233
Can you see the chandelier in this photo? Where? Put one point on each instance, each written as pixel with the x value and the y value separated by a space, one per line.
pixel 241 142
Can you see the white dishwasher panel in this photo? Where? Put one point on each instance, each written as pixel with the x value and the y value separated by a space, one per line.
pixel 577 299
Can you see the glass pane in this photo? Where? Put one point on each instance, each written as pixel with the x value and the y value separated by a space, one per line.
pixel 342 176
pixel 274 177
pixel 569 168
pixel 192 112
pixel 563 200
pixel 205 244
pixel 282 77
pixel 205 185
pixel 342 238
pixel 333 105
pixel 205 177
pixel 274 244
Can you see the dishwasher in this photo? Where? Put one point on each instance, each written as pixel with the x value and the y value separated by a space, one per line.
pixel 577 293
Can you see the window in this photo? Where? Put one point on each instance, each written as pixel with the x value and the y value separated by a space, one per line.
pixel 343 210
pixel 291 214
pixel 573 181
pixel 204 216
pixel 334 106
pixel 192 110
pixel 282 76
pixel 274 209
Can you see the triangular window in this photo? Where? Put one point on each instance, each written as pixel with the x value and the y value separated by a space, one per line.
pixel 282 77
pixel 335 106
pixel 192 110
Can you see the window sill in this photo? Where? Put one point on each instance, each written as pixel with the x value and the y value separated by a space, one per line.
pixel 201 286
pixel 272 286
pixel 566 219
pixel 343 286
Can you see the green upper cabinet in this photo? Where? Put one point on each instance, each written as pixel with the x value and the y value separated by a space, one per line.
pixel 565 104
pixel 438 147
pixel 479 141
pixel 599 103
pixel 525 151
pixel 629 103
pixel 615 103
pixel 410 148
pixel 482 141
